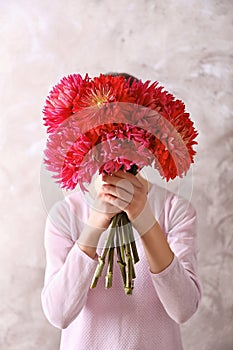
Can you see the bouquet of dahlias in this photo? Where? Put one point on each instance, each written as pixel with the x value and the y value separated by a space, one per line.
pixel 110 123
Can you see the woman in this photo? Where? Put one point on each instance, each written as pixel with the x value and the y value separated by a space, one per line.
pixel 166 291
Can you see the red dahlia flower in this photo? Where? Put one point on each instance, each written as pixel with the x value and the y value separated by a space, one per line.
pixel 60 102
pixel 86 119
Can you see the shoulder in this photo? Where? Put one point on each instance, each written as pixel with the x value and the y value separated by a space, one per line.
pixel 169 199
pixel 72 205
pixel 68 216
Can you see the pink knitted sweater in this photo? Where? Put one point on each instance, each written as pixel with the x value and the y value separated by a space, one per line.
pixel 101 319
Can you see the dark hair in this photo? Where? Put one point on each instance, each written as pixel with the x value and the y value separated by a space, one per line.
pixel 125 75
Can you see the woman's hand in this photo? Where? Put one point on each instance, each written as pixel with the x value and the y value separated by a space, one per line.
pixel 125 192
pixel 129 193
pixel 102 211
pixel 114 194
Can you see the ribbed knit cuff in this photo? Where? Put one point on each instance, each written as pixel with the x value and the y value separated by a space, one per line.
pixel 144 221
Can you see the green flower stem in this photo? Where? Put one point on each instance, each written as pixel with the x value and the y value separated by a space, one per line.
pixel 133 244
pixel 120 253
pixel 121 240
pixel 129 242
pixel 108 277
pixel 129 271
pixel 121 231
pixel 130 238
pixel 128 256
pixel 105 251
pixel 98 271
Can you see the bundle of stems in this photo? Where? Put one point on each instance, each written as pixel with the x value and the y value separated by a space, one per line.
pixel 121 238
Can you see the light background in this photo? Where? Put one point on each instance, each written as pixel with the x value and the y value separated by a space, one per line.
pixel 187 46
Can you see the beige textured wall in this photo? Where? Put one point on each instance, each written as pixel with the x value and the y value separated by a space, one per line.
pixel 187 46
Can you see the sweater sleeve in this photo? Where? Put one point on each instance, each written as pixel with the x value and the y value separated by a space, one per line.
pixel 68 271
pixel 178 285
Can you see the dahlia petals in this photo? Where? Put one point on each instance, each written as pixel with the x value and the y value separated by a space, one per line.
pixel 117 126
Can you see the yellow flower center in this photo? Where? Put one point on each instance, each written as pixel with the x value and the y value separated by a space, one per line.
pixel 100 101
pixel 100 97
